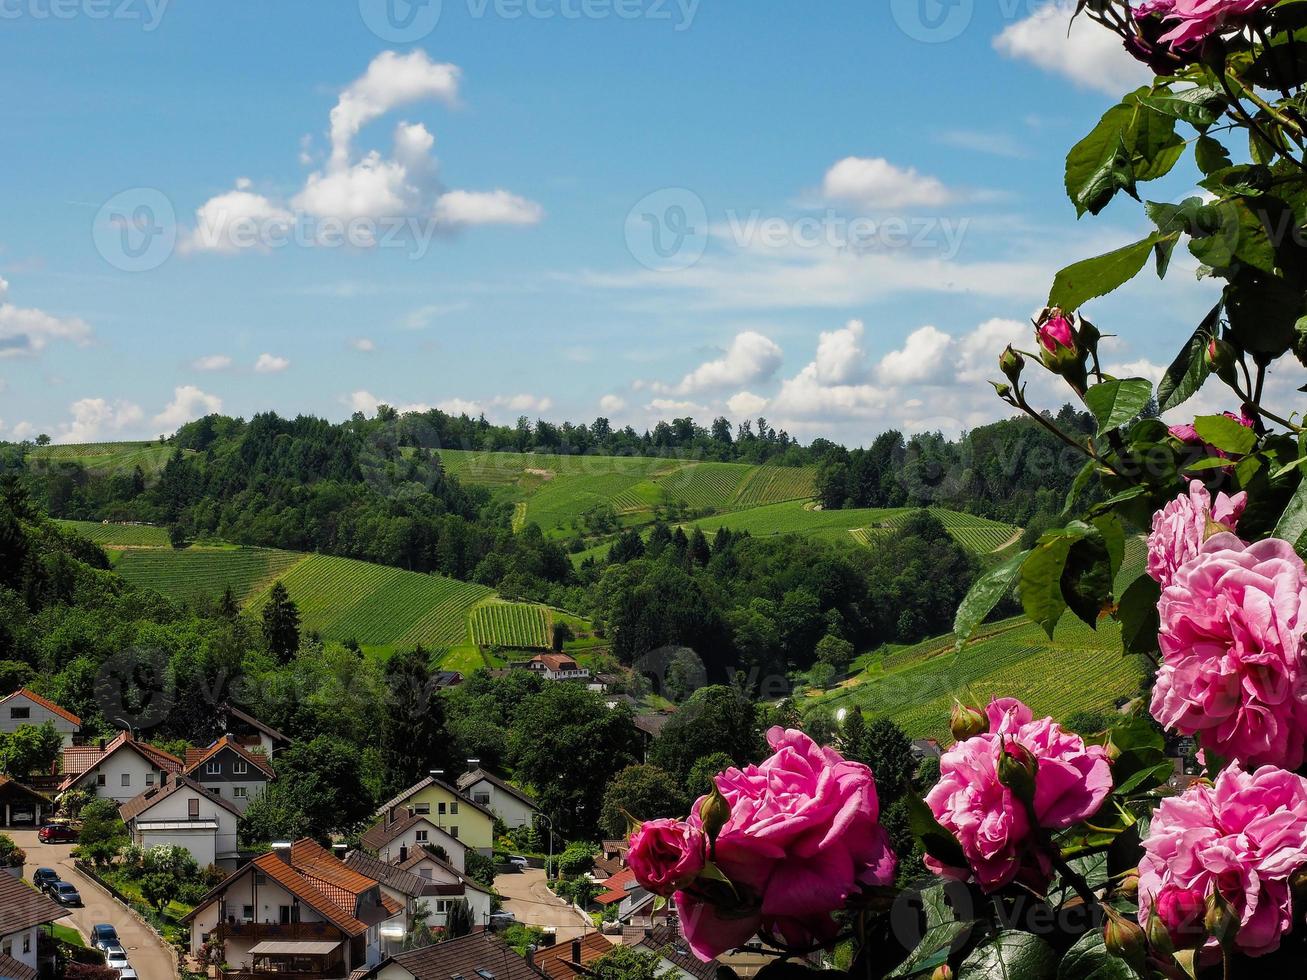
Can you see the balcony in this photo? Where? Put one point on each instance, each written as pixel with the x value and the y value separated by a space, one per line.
pixel 260 931
pixel 332 973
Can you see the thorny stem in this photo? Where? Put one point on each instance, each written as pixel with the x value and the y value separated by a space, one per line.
pixel 1019 400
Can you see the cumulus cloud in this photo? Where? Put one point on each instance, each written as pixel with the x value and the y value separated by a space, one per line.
pixel 239 219
pixel 612 403
pixel 746 403
pixel 363 345
pixel 840 358
pixel 96 419
pixel 271 364
pixel 211 362
pixel 26 330
pixel 750 359
pixel 366 402
pixel 499 207
pixel 874 182
pixel 921 358
pixel 1090 55
pixel 188 403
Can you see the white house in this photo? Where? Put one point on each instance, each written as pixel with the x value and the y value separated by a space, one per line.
pixel 396 842
pixel 25 707
pixel 557 667
pixel 227 769
pixel 297 909
pixel 118 770
pixel 428 880
pixel 507 802
pixel 23 911
pixel 252 734
pixel 184 813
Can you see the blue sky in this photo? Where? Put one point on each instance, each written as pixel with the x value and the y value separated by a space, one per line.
pixel 853 214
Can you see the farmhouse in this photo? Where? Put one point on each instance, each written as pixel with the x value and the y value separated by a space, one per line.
pixel 479 956
pixel 452 812
pixel 397 841
pixel 507 802
pixel 184 813
pixel 25 707
pixel 117 770
pixel 227 769
pixel 25 911
pixel 295 910
pixel 557 667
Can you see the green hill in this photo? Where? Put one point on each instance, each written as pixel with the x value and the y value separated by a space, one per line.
pixel 106 458
pixel 120 535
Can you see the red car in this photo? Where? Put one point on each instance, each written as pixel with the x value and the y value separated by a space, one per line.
pixel 57 833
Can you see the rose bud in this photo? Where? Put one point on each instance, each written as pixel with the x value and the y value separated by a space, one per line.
pixel 1123 938
pixel 966 722
pixel 1017 769
pixel 1159 936
pixel 714 812
pixel 1221 358
pixel 1057 342
pixel 1012 364
pixel 942 972
pixel 1220 919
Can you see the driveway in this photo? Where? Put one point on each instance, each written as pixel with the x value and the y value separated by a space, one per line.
pixel 527 897
pixel 152 959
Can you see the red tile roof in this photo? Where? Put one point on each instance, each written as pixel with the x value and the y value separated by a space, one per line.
pixel 617 886
pixel 35 698
pixel 78 759
pixel 24 907
pixel 556 661
pixel 559 962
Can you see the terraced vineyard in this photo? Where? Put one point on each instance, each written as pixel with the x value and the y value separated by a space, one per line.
pixel 378 605
pixel 712 485
pixel 110 458
pixel 775 484
pixel 519 625
pixel 120 535
pixel 1079 670
pixel 205 573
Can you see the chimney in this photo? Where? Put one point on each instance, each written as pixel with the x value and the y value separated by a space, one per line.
pixel 576 951
pixel 101 745
pixel 282 850
pixel 339 851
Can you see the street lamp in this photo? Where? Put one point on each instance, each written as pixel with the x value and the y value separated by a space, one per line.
pixel 539 817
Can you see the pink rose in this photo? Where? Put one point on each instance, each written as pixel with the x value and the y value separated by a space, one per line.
pixel 1055 334
pixel 1232 626
pixel 1196 20
pixel 666 855
pixel 1245 836
pixel 994 828
pixel 1181 527
pixel 803 836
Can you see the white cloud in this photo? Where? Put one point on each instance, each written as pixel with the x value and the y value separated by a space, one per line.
pixel 1090 55
pixel 211 362
pixel 874 182
pixel 460 406
pixel 498 207
pixel 920 359
pixel 95 419
pixel 363 345
pixel 364 198
pixel 366 402
pixel 840 357
pixel 23 430
pixel 421 318
pixel 665 407
pixel 751 358
pixel 612 403
pixel 271 364
pixel 746 403
pixel 25 330
pixel 188 403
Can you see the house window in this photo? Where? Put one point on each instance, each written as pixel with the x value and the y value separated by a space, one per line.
pixel 193 808
pixel 422 808
pixel 20 713
pixel 453 831
pixel 441 809
pixel 27 943
pixel 127 779
pixel 420 836
pixel 7 948
pixel 239 792
pixel 213 768
pixel 482 798
pixel 424 873
pixel 100 779
pixel 215 790
pixel 453 809
pixel 240 767
pixel 149 778
pixel 247 913
pixel 260 879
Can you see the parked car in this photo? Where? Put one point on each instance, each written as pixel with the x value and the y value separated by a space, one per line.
pixel 127 974
pixel 103 936
pixel 57 833
pixel 517 861
pixel 502 920
pixel 65 894
pixel 115 958
pixel 43 878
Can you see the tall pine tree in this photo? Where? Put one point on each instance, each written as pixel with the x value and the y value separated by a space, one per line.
pixel 281 624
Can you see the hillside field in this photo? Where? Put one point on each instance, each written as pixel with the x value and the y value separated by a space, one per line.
pixel 120 535
pixel 108 458
pixel 514 625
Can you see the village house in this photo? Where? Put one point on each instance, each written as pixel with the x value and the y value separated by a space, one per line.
pixel 297 910
pixel 397 841
pixel 228 769
pixel 479 956
pixel 23 911
pixel 626 895
pixel 557 667
pixel 450 811
pixel 185 814
pixel 25 707
pixel 514 807
pixel 675 960
pixel 117 770
pixel 22 806
pixel 567 961
pixel 426 880
pixel 250 733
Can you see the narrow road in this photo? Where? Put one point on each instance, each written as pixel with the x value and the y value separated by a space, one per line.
pixel 529 899
pixel 151 958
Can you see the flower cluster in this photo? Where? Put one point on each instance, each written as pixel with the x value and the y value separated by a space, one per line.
pixel 1243 838
pixel 798 835
pixel 1002 834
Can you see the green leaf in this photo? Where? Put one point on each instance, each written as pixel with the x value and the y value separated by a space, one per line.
pixel 1011 955
pixel 934 949
pixel 1155 146
pixel 1233 230
pixel 1100 164
pixel 1137 613
pixel 1089 959
pixel 1190 369
pixel 1041 576
pixel 987 593
pixel 1293 523
pixel 1078 487
pixel 1090 278
pixel 1145 779
pixel 935 840
pixel 1225 434
pixel 1210 155
pixel 1114 403
pixel 1199 107
pixel 1087 578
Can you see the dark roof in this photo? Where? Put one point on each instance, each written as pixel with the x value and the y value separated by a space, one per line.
pixel 197 757
pixel 665 939
pixel 446 678
pixel 558 963
pixel 421 856
pixel 11 787
pixel 476 775
pixel 253 722
pixel 388 874
pixel 652 724
pixel 471 957
pixel 11 969
pixel 137 805
pixel 49 705
pixel 417 787
pixel 25 907
pixel 381 833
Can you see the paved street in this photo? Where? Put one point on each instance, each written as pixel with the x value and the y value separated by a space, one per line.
pixel 526 896
pixel 147 953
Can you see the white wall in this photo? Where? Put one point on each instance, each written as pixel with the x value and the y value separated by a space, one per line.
pixel 39 715
pixel 506 806
pixel 436 837
pixel 177 808
pixel 126 762
pixel 21 946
